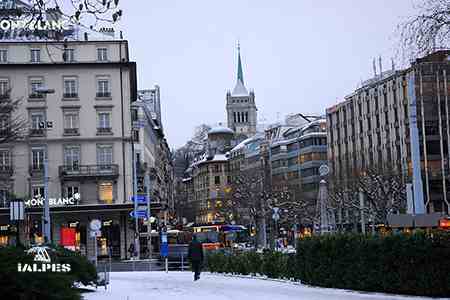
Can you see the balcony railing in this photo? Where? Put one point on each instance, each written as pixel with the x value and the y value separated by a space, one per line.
pixel 36 96
pixel 70 95
pixel 71 131
pixel 37 132
pixel 104 95
pixel 104 130
pixel 4 96
pixel 36 170
pixel 71 172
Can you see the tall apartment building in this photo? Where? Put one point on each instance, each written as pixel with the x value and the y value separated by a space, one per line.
pixel 88 147
pixel 371 128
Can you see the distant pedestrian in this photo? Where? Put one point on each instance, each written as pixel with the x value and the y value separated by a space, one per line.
pixel 195 256
pixel 131 250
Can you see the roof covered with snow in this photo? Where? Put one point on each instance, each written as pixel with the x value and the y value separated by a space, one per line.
pixel 220 130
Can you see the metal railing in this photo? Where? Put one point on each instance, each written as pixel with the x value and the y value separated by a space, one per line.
pixel 89 170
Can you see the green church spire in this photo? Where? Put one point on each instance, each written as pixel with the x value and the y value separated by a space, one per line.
pixel 240 74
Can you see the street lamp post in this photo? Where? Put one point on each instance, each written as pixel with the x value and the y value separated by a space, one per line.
pixel 46 221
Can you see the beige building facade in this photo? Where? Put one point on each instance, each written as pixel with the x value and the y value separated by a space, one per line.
pixel 87 139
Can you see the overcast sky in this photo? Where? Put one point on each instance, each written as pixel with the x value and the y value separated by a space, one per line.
pixel 298 55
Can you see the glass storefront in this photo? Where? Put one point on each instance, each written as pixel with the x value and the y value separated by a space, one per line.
pixel 4 235
pixel 73 236
pixel 109 242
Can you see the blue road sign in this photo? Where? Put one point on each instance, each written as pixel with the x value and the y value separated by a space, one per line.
pixel 139 214
pixel 164 247
pixel 141 199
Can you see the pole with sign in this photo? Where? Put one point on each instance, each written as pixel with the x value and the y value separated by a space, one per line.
pixel 149 224
pixel 164 250
pixel 95 226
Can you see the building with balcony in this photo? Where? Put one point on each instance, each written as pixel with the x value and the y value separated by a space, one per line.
pixel 371 128
pixel 83 129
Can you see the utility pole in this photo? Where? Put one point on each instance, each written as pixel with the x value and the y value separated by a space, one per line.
pixel 136 219
pixel 149 224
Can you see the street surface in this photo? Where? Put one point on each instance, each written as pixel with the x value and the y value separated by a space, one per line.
pixel 180 286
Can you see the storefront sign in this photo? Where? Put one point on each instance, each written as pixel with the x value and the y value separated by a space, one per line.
pixel 45 265
pixel 39 201
pixel 7 25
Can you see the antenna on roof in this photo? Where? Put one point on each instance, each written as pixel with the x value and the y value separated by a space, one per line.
pixel 374 68
pixel 381 66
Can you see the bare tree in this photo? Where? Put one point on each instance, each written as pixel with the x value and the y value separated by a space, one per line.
pixel 12 125
pixel 88 13
pixel 384 193
pixel 429 29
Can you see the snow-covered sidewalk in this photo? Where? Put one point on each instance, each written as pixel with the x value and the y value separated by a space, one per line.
pixel 180 286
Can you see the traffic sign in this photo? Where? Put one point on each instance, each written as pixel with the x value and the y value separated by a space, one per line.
pixel 141 199
pixel 164 248
pixel 142 214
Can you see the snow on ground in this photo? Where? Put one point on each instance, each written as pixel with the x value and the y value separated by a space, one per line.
pixel 180 286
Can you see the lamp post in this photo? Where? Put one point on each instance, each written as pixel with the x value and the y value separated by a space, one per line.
pixel 46 222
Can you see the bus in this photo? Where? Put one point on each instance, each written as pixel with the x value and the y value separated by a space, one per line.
pixel 214 237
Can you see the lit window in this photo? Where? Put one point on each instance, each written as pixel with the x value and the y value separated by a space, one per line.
pixel 105 192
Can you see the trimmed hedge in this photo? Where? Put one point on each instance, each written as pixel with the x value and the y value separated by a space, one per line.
pixel 413 264
pixel 45 285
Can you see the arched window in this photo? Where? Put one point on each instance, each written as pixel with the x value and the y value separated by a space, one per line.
pixel 239 117
pixel 234 116
pixel 246 116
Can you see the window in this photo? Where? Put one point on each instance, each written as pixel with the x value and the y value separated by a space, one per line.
pixel 69 55
pixel 71 122
pixel 103 87
pixel 104 155
pixel 4 198
pixel 217 180
pixel 105 192
pixel 70 191
pixel 3 55
pixel 102 54
pixel 70 87
pixel 7 4
pixel 38 191
pixel 37 118
pixel 72 157
pixel 35 55
pixel 104 122
pixel 37 158
pixel 4 89
pixel 5 160
pixel 35 85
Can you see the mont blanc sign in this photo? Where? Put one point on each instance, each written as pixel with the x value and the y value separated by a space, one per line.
pixel 39 201
pixel 40 25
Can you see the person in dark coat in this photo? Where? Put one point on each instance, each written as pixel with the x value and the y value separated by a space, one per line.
pixel 195 256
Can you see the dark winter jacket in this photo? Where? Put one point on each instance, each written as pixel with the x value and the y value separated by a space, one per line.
pixel 195 252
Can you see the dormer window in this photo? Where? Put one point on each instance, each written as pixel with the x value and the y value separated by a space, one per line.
pixel 102 54
pixel 35 55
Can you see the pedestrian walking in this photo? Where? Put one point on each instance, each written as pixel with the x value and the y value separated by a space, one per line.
pixel 131 250
pixel 195 256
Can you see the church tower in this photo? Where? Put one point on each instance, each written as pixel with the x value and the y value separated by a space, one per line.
pixel 241 107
